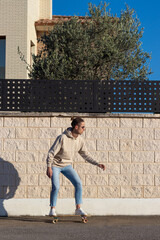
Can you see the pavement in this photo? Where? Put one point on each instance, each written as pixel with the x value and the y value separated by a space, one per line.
pixel 97 228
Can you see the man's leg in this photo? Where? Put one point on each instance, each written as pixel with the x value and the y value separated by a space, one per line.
pixel 55 186
pixel 72 175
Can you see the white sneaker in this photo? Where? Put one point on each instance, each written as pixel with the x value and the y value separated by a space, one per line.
pixel 52 212
pixel 80 212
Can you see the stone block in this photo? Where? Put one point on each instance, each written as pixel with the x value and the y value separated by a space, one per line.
pixel 143 133
pixel 151 145
pixel 108 192
pixel 100 156
pixel 111 168
pixel 142 156
pixel 15 168
pixel 33 192
pixel 119 133
pixel 96 180
pixel 157 156
pixel 21 168
pixel 60 122
pixel 90 122
pixel 44 180
pixel 152 168
pixel 142 180
pixel 15 144
pixel 42 156
pixel 157 133
pixel 39 145
pixel 49 133
pixel 36 168
pixel 131 192
pixel 39 122
pixel 119 157
pixel 1 121
pixel 130 122
pixel 1 145
pixel 7 156
pixel 27 133
pixel 130 145
pixel 85 168
pixel 119 180
pixel 44 192
pixel 7 133
pixel 19 192
pixel 25 156
pixel 15 122
pixel 157 180
pixel 98 133
pixel 108 122
pixel 152 192
pixel 107 145
pixel 28 179
pixel 38 192
pixel 90 192
pixel 133 168
pixel 91 144
pixel 151 123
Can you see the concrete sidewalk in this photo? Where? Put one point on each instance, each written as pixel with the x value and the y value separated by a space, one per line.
pixel 98 228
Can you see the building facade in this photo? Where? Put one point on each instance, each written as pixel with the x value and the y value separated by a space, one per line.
pixel 17 30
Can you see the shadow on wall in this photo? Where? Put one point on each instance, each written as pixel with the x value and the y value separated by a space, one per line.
pixel 9 182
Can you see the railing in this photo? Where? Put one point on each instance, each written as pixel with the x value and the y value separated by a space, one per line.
pixel 79 96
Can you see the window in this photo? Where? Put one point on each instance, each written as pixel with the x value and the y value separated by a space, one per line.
pixel 2 57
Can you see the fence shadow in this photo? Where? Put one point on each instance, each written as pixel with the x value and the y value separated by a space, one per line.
pixel 9 182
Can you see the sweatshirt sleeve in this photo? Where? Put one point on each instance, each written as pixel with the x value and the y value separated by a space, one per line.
pixel 54 150
pixel 85 154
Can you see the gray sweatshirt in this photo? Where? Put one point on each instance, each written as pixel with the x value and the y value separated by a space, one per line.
pixel 64 148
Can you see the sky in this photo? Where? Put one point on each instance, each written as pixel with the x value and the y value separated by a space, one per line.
pixel 148 13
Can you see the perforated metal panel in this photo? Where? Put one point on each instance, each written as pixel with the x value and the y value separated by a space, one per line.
pixel 79 96
pixel 58 96
pixel 15 95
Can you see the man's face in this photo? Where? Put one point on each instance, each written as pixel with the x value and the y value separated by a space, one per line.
pixel 80 128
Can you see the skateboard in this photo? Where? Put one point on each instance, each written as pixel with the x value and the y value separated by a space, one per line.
pixel 56 218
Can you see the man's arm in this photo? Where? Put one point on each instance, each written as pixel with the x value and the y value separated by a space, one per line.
pixel 52 152
pixel 84 153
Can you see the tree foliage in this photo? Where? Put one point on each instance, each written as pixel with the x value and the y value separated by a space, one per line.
pixel 101 46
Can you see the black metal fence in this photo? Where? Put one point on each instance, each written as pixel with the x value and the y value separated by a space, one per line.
pixel 79 96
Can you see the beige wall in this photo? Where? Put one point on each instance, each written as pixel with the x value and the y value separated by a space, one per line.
pixel 45 7
pixel 129 147
pixel 13 25
pixel 17 20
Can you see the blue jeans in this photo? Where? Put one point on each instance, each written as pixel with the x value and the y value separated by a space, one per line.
pixel 71 174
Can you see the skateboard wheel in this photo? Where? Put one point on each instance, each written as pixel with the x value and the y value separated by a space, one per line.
pixel 55 220
pixel 84 220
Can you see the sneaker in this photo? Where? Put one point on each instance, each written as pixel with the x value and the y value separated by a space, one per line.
pixel 80 212
pixel 52 212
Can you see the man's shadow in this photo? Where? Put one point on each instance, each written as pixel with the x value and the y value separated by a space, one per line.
pixel 9 182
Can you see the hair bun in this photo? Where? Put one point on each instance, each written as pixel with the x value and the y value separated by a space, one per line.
pixel 72 118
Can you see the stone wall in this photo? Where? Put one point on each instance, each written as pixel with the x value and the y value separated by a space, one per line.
pixel 129 146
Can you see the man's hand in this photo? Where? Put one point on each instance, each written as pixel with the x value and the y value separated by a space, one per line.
pixel 102 166
pixel 49 172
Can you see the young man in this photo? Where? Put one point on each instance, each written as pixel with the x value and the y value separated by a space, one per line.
pixel 60 159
